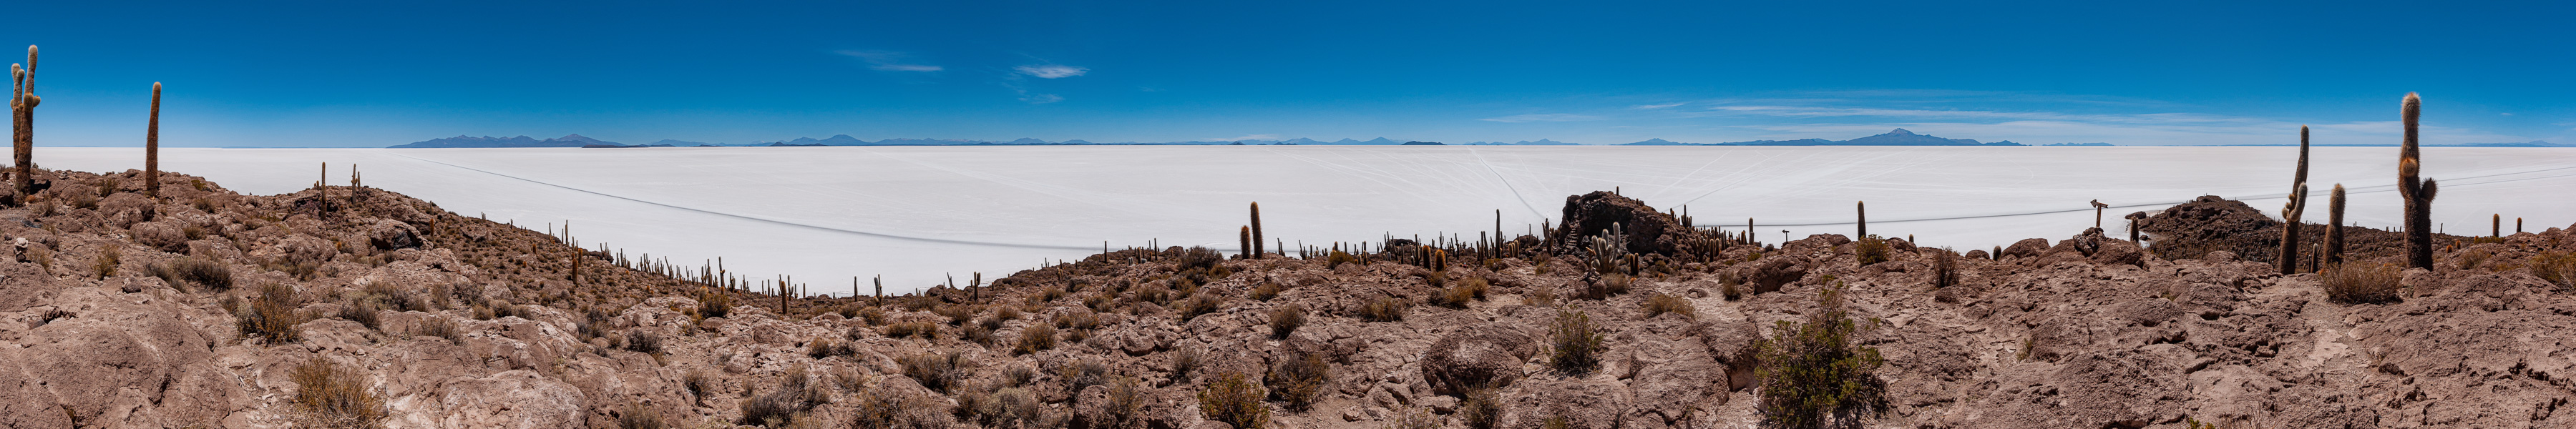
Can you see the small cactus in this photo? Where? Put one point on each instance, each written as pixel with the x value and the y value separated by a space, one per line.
pixel 1861 218
pixel 1243 241
pixel 2334 226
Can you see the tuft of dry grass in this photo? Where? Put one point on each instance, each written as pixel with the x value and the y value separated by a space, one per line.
pixel 1385 309
pixel 1235 399
pixel 1300 380
pixel 1464 292
pixel 1285 320
pixel 925 330
pixel 1036 338
pixel 271 316
pixel 2359 283
pixel 2558 268
pixel 1184 361
pixel 1870 250
pixel 1659 304
pixel 1267 290
pixel 1575 343
pixel 937 372
pixel 330 396
pixel 108 258
pixel 1201 304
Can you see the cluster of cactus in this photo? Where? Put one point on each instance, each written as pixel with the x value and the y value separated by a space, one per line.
pixel 2297 207
pixel 2416 191
pixel 1608 252
pixel 22 120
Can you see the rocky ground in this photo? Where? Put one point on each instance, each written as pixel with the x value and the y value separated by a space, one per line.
pixel 206 308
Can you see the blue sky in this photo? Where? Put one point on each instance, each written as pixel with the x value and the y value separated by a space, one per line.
pixel 327 74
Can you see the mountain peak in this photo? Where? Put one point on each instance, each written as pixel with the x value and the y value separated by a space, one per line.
pixel 1899 132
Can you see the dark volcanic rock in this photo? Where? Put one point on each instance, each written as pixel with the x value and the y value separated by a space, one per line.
pixel 1648 230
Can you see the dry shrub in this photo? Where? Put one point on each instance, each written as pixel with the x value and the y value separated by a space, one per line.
pixel 1235 399
pixel 872 315
pixel 1464 292
pixel 1870 250
pixel 641 341
pixel 1285 320
pixel 1036 338
pixel 1385 309
pixel 200 271
pixel 1730 286
pixel 1300 380
pixel 826 348
pixel 330 396
pixel 1659 304
pixel 1575 343
pixel 783 405
pixel 1082 374
pixel 1267 290
pixel 696 383
pixel 1197 258
pixel 1077 319
pixel 956 314
pixel 1184 361
pixel 270 316
pixel 977 334
pixel 1945 268
pixel 1202 304
pixel 1338 258
pixel 926 330
pixel 365 313
pixel 1003 314
pixel 1126 405
pixel 108 258
pixel 888 409
pixel 2558 268
pixel 637 416
pixel 1482 410
pixel 436 326
pixel 936 371
pixel 1007 408
pixel 1540 297
pixel 1153 292
pixel 712 304
pixel 2360 283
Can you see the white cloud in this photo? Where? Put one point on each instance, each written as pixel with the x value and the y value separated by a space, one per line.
pixel 1041 98
pixel 1655 106
pixel 1051 71
pixel 1543 117
pixel 890 61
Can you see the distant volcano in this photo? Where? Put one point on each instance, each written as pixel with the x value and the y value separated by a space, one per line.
pixel 1897 137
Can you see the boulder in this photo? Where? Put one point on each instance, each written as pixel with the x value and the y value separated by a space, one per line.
pixel 125 209
pixel 1648 230
pixel 393 234
pixel 2026 248
pixel 162 234
pixel 1483 356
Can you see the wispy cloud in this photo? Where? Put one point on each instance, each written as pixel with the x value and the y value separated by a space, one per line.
pixel 890 61
pixel 1543 117
pixel 1656 106
pixel 1051 71
pixel 1040 98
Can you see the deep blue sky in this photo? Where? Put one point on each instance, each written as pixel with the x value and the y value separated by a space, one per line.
pixel 2136 73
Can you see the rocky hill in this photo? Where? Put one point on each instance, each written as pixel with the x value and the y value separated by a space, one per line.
pixel 355 307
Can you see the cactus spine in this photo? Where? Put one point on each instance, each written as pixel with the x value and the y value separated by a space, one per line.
pixel 2334 226
pixel 1256 230
pixel 1861 217
pixel 2292 211
pixel 22 121
pixel 2416 191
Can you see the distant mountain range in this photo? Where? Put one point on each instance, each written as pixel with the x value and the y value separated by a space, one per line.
pixel 1898 137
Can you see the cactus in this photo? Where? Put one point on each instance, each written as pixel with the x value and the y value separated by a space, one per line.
pixel 22 121
pixel 2334 226
pixel 2292 211
pixel 1256 231
pixel 1861 218
pixel 2416 191
pixel 152 147
pixel 1243 241
pixel 2495 227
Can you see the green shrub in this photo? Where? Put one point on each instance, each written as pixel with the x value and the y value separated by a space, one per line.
pixel 1659 304
pixel 1813 376
pixel 1385 309
pixel 1575 343
pixel 328 395
pixel 1235 399
pixel 2353 283
pixel 1299 380
pixel 1285 320
pixel 1036 338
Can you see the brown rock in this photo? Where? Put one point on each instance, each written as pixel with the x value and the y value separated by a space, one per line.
pixel 1478 357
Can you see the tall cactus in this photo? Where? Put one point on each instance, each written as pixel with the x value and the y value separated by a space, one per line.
pixel 2292 211
pixel 1861 218
pixel 2495 226
pixel 2334 226
pixel 22 121
pixel 152 147
pixel 1256 231
pixel 2416 191
pixel 1244 240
